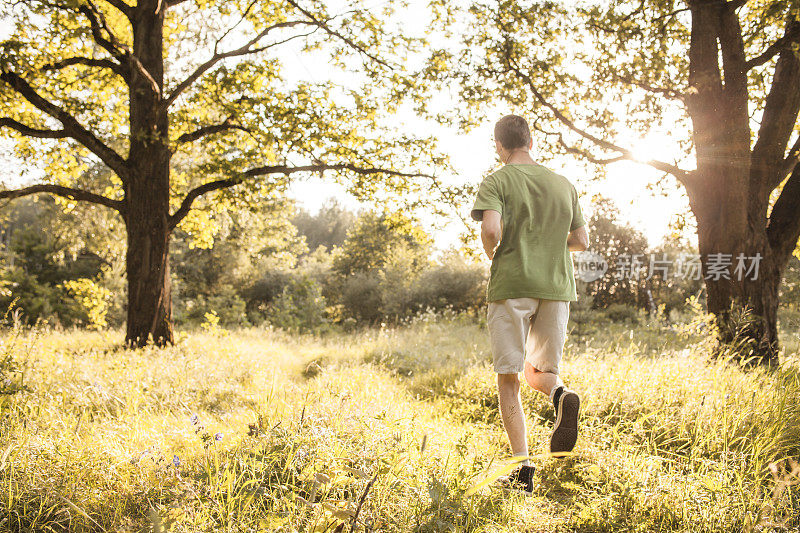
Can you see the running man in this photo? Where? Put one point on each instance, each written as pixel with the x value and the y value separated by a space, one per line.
pixel 530 221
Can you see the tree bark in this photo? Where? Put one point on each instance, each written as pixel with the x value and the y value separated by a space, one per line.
pixel 149 283
pixel 744 304
pixel 147 188
pixel 729 192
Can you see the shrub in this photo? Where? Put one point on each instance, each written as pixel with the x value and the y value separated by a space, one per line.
pixel 455 285
pixel 93 299
pixel 396 279
pixel 300 306
pixel 12 377
pixel 401 290
pixel 361 297
pixel 622 313
pixel 40 301
pixel 228 306
pixel 581 314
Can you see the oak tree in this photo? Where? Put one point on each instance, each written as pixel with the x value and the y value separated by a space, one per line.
pixel 722 75
pixel 136 84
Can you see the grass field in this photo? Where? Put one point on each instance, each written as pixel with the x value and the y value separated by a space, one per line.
pixel 258 430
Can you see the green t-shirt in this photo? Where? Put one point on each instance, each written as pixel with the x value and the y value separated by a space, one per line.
pixel 538 208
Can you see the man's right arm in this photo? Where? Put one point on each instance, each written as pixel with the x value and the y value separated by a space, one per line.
pixel 491 231
pixel 578 239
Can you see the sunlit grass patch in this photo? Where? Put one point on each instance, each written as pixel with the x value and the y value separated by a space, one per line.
pixel 390 428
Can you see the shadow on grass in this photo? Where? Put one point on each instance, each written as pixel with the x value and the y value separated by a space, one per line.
pixel 450 510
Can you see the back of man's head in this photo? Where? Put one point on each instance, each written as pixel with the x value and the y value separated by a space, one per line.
pixel 512 132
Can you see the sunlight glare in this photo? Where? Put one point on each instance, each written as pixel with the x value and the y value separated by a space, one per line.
pixel 647 148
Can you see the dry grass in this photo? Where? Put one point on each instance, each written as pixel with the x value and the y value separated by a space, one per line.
pixel 261 431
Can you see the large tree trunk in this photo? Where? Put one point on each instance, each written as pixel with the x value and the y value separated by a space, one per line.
pixel 149 284
pixel 730 190
pixel 147 189
pixel 744 302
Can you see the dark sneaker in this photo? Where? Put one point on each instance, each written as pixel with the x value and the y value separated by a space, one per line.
pixel 565 430
pixel 519 480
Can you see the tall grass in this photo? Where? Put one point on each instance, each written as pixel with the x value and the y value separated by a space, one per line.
pixel 386 430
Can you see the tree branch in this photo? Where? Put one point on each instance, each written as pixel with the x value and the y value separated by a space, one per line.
pixel 122 7
pixel 87 61
pixel 778 120
pixel 246 49
pixel 128 62
pixel 349 42
pixel 144 72
pixel 97 24
pixel 32 132
pixel 783 228
pixel 791 160
pixel 588 156
pixel 777 47
pixel 191 196
pixel 671 14
pixel 682 175
pixel 113 45
pixel 66 192
pixel 71 125
pixel 669 93
pixel 209 130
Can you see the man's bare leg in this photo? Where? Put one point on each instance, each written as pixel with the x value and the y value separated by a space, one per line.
pixel 567 405
pixel 511 410
pixel 543 382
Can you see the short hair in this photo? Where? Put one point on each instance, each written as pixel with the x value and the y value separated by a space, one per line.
pixel 512 132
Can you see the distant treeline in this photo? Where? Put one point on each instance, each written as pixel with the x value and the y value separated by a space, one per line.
pixel 280 265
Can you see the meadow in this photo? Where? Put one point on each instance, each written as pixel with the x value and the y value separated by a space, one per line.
pixel 388 429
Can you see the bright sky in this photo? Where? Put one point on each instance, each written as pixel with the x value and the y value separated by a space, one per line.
pixel 473 157
pixel 626 183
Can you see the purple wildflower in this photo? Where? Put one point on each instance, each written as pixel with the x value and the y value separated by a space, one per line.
pixel 176 461
pixel 194 419
pixel 218 436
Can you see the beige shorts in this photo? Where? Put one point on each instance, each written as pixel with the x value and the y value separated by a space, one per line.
pixel 531 329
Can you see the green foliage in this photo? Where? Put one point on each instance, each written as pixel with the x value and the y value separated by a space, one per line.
pixel 227 306
pixel 310 273
pixel 224 276
pixel 361 297
pixel 671 292
pixel 789 289
pixel 299 307
pixel 375 238
pixel 40 301
pixel 453 283
pixel 92 297
pixel 12 375
pixel 327 228
pixel 582 316
pixel 621 313
pixel 211 323
pixel 614 240
pixel 729 340
pixel 256 269
pixel 45 251
pixel 614 70
pixel 625 286
pixel 274 116
pixel 384 272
